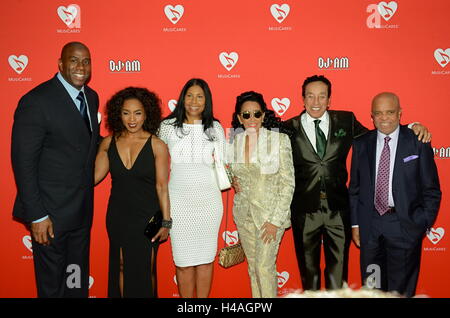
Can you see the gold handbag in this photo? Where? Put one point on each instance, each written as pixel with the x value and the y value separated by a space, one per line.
pixel 233 254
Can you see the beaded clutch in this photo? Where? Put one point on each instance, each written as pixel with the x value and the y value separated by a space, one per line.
pixel 231 255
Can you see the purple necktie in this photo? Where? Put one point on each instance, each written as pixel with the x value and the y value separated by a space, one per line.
pixel 382 186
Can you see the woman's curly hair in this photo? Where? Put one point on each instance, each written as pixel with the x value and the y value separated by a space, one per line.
pixel 150 101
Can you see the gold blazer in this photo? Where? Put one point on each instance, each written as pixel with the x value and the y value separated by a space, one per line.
pixel 267 182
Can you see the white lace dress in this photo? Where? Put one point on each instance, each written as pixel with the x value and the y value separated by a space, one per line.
pixel 195 199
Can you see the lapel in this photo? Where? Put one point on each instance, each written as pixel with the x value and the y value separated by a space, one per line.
pixel 268 147
pixel 401 152
pixel 92 110
pixel 238 153
pixel 68 117
pixel 302 138
pixel 263 145
pixel 372 153
pixel 66 108
pixel 262 142
pixel 332 144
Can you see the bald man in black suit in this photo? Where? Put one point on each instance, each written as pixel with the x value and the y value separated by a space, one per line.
pixel 394 198
pixel 54 143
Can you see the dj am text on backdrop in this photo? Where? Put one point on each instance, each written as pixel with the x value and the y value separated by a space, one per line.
pixel 364 47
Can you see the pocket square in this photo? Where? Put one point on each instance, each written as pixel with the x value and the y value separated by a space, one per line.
pixel 409 158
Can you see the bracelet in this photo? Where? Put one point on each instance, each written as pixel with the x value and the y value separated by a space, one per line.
pixel 167 223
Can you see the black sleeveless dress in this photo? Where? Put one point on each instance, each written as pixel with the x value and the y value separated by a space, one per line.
pixel 133 201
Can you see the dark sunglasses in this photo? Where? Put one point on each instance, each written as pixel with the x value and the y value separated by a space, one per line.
pixel 247 114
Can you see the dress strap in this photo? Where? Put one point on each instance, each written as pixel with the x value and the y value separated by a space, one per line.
pixel 151 147
pixel 112 144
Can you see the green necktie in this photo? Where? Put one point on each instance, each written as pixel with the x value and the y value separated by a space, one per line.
pixel 321 142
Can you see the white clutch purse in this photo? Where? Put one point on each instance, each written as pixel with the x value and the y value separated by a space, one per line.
pixel 223 177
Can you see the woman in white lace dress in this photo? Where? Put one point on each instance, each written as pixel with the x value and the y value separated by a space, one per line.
pixel 195 199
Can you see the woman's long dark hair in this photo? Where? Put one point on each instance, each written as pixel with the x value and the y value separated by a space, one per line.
pixel 179 113
pixel 270 118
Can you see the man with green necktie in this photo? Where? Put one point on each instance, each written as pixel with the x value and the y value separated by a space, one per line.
pixel 321 141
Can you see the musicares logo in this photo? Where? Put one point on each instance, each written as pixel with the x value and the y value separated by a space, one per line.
pixel 435 235
pixel 442 56
pixel 280 12
pixel 280 106
pixel 387 10
pixel 230 238
pixel 70 15
pixel 228 60
pixel 172 104
pixel 381 10
pixel 282 278
pixel 174 13
pixel 26 240
pixel 18 64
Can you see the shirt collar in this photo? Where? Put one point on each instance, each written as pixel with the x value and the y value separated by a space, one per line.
pixel 393 135
pixel 73 92
pixel 310 120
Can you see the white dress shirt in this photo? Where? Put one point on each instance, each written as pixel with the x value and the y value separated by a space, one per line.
pixel 73 92
pixel 310 128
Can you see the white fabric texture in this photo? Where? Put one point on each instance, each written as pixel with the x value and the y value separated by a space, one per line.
pixel 195 199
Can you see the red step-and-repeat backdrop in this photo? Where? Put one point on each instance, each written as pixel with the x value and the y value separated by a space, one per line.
pixel 363 46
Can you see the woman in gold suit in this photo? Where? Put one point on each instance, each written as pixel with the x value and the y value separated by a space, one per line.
pixel 260 159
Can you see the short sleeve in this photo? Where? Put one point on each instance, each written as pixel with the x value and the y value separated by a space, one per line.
pixel 164 131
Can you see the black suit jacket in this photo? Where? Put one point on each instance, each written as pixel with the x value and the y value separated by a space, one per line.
pixel 53 156
pixel 309 168
pixel 415 184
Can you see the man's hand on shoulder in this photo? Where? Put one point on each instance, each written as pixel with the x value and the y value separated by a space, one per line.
pixel 422 132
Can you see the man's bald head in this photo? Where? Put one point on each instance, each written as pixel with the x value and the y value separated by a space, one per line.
pixel 72 45
pixel 386 95
pixel 386 112
pixel 75 64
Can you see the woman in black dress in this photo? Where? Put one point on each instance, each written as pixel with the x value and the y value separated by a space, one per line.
pixel 139 166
